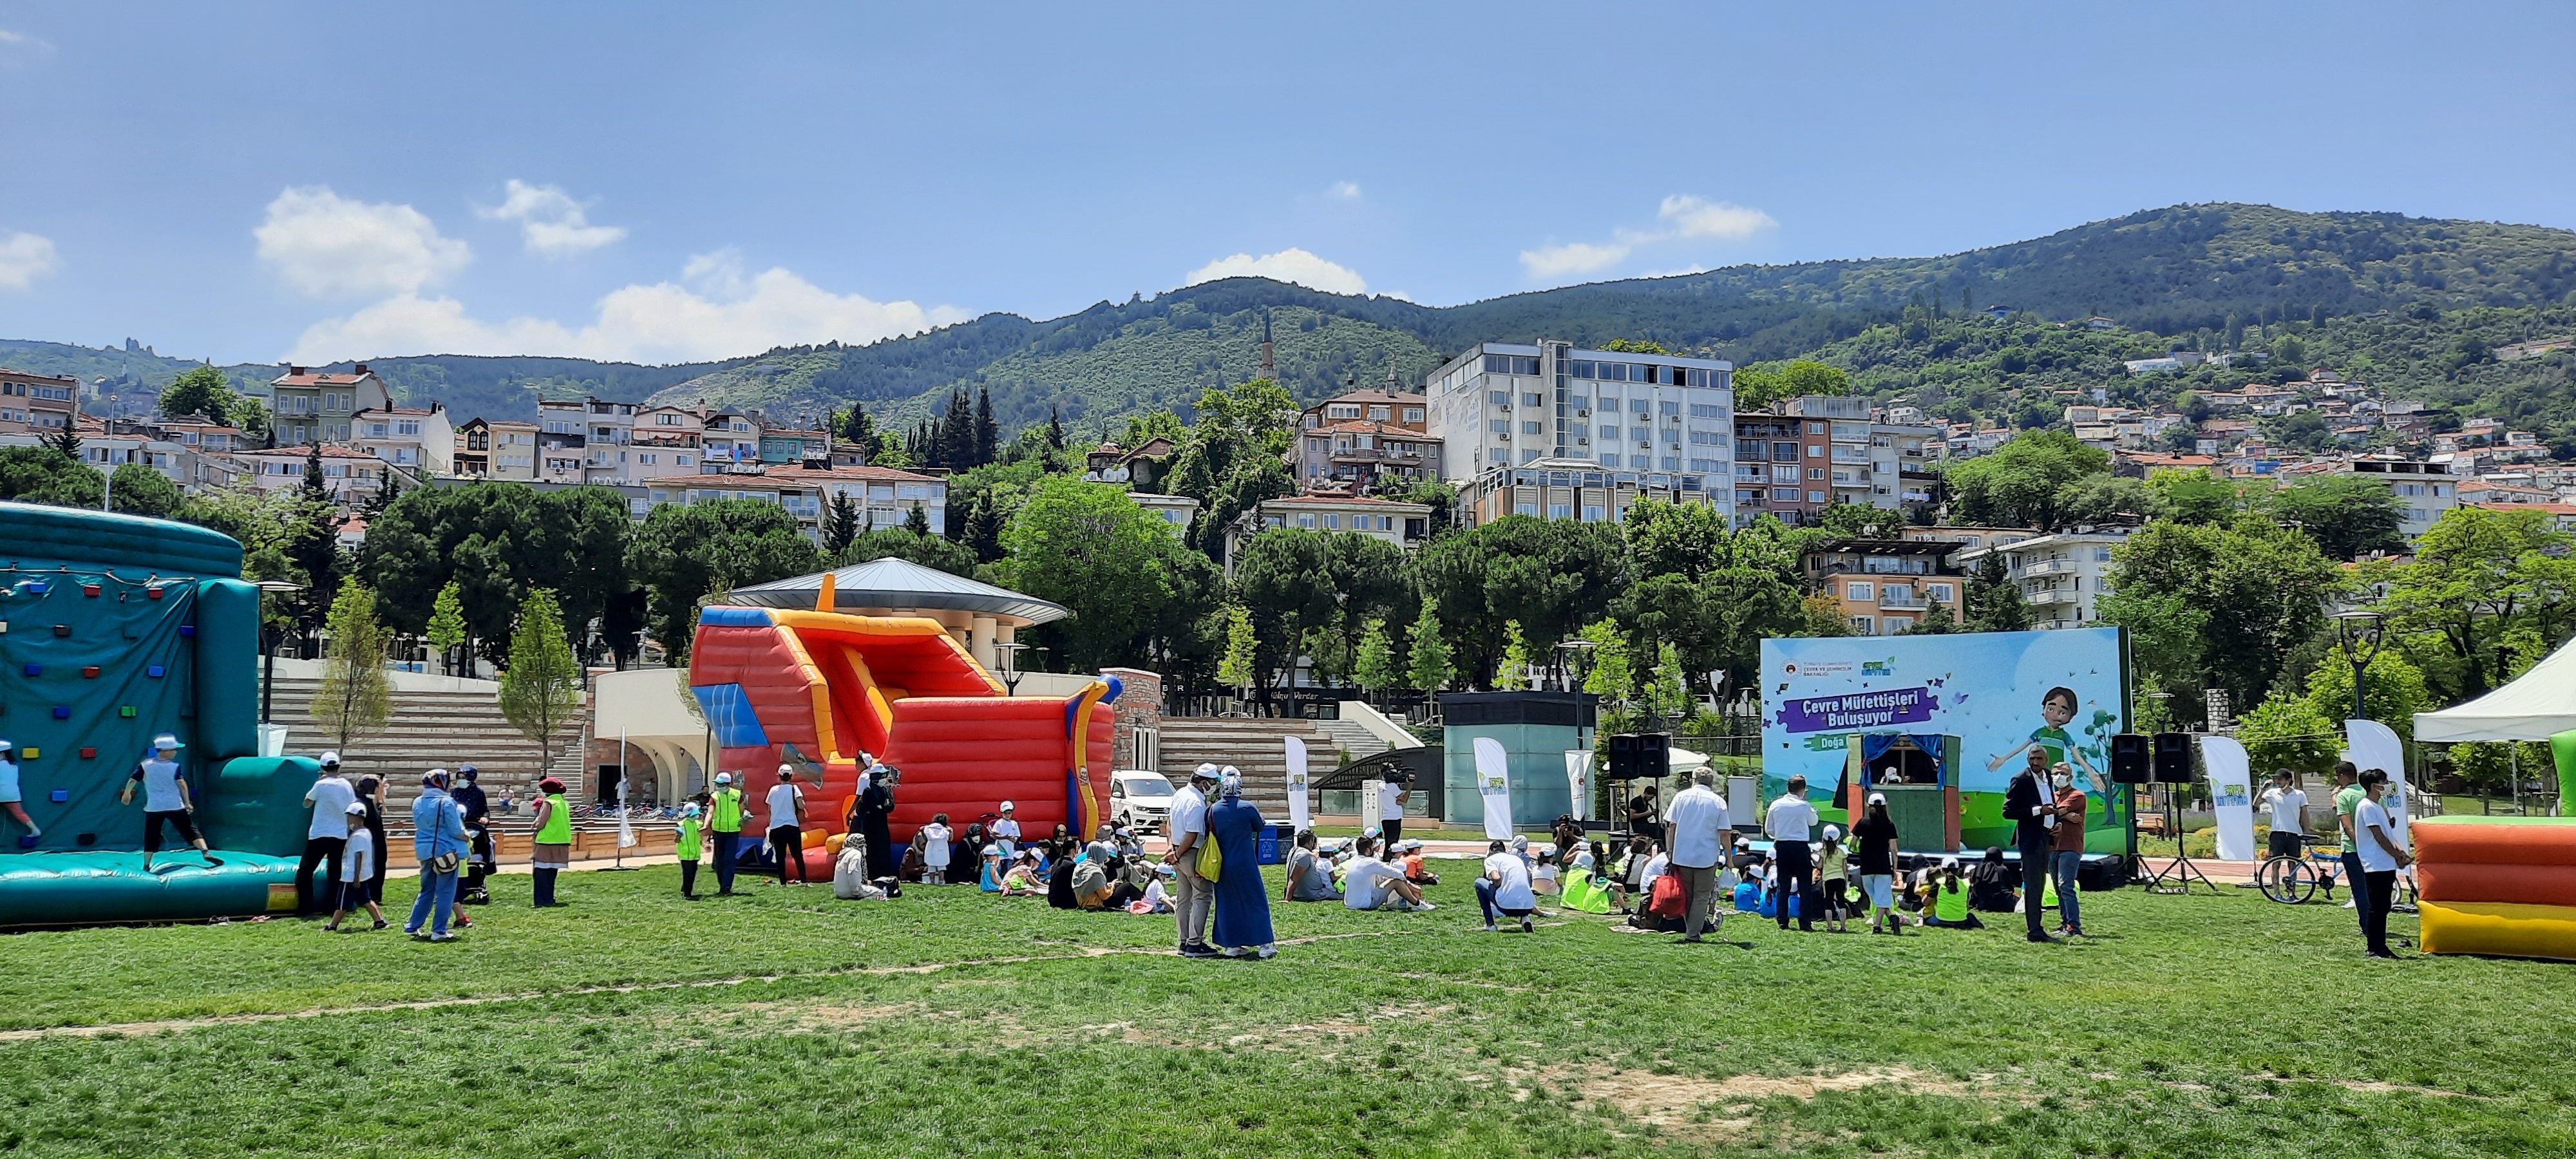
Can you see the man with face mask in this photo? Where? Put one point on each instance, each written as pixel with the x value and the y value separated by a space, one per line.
pixel 2066 857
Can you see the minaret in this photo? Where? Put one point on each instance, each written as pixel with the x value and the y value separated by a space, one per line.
pixel 1269 366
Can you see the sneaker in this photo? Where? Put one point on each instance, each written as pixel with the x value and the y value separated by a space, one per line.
pixel 1233 952
pixel 1425 907
pixel 332 928
pixel 1489 927
pixel 447 937
pixel 381 923
pixel 1198 950
pixel 1266 952
pixel 1526 927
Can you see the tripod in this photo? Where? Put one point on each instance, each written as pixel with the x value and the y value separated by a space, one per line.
pixel 2177 876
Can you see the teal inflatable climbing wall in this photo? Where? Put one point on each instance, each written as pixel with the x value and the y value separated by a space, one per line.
pixel 114 628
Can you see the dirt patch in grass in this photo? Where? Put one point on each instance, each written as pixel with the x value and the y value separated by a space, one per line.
pixel 1706 1109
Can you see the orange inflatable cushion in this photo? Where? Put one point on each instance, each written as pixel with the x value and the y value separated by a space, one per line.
pixel 2479 881
pixel 2496 841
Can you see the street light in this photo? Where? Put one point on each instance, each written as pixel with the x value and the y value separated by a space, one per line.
pixel 1011 673
pixel 2359 634
pixel 1576 662
pixel 268 677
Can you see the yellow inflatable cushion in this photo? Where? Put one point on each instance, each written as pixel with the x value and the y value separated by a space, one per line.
pixel 2510 929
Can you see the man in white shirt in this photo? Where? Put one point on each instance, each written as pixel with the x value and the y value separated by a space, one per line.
pixel 2375 835
pixel 326 838
pixel 1505 886
pixel 1697 832
pixel 2288 807
pixel 1789 824
pixel 1186 827
pixel 1391 801
pixel 1371 883
pixel 787 825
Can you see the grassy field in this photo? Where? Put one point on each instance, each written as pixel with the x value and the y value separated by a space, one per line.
pixel 952 1023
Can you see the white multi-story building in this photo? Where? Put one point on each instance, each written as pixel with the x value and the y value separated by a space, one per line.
pixel 2060 575
pixel 2424 488
pixel 418 439
pixel 1647 422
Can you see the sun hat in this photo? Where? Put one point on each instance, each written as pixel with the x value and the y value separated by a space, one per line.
pixel 167 741
pixel 1520 841
pixel 1949 863
pixel 1207 771
pixel 1833 832
pixel 355 809
pixel 689 810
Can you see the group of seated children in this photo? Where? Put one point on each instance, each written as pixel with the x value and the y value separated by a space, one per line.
pixel 1110 872
pixel 1362 874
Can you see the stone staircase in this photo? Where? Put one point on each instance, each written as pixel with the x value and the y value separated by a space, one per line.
pixel 1354 740
pixel 436 730
pixel 1255 746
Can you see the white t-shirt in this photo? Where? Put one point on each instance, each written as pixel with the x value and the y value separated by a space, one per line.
pixel 1391 803
pixel 1189 815
pixel 934 852
pixel 1513 892
pixel 782 804
pixel 2287 807
pixel 161 790
pixel 330 798
pixel 1006 830
pixel 1365 884
pixel 1154 895
pixel 1699 825
pixel 1792 818
pixel 2366 817
pixel 1656 866
pixel 362 849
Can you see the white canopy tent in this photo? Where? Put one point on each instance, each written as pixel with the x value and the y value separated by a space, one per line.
pixel 2540 704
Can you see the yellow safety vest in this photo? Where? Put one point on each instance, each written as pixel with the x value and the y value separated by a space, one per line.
pixel 728 806
pixel 558 827
pixel 689 844
pixel 1948 906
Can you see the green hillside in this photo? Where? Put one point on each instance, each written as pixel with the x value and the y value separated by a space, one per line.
pixel 2185 273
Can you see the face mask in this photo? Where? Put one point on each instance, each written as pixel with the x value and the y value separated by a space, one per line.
pixel 2064 781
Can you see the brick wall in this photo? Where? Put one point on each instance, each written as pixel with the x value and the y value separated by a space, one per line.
pixel 1140 705
pixel 640 771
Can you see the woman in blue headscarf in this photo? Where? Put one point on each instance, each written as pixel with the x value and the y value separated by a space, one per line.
pixel 1242 902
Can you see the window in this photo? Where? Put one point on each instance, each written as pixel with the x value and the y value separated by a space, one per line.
pixel 1342 411
pixel 1641 434
pixel 1499 426
pixel 1499 455
pixel 1333 522
pixel 407 427
pixel 1815 496
pixel 1898 594
pixel 1529 399
pixel 1609 431
pixel 1305 521
pixel 1498 397
pixel 1815 428
pixel 1613 371
pixel 1784 494
pixel 1524 508
pixel 1704 410
pixel 1413 414
pixel 1865 625
pixel 1641 462
pixel 1707 439
pixel 1639 405
pixel 1672 409
pixel 684 459
pixel 1942 592
pixel 2101 555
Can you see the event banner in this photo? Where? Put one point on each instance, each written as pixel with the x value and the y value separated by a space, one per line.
pixel 2369 744
pixel 1494 783
pixel 2231 796
pixel 2001 694
pixel 1299 818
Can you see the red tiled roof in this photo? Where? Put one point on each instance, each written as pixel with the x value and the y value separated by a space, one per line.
pixel 789 474
pixel 2559 509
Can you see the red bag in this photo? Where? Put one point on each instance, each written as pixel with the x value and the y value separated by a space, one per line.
pixel 1668 899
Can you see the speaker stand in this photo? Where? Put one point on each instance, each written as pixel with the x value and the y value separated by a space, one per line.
pixel 2176 878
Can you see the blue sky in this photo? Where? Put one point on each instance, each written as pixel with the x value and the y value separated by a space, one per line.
pixel 253 181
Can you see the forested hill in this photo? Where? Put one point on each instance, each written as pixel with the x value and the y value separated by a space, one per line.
pixel 2159 273
pixel 2171 271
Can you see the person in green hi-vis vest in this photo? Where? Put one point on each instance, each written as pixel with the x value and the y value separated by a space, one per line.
pixel 691 843
pixel 725 821
pixel 553 852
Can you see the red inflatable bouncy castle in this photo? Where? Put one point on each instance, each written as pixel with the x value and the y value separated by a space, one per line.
pixel 815 690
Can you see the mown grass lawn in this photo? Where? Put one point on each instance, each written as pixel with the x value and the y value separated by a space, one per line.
pixel 951 1023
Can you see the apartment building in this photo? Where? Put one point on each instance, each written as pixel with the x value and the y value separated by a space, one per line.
pixel 885 495
pixel 2424 488
pixel 1647 423
pixel 37 402
pixel 1395 521
pixel 1177 510
pixel 667 442
pixel 418 439
pixel 782 442
pixel 1567 489
pixel 1361 436
pixel 488 449
pixel 1884 585
pixel 308 406
pixel 1782 467
pixel 563 440
pixel 348 474
pixel 205 438
pixel 139 444
pixel 727 435
pixel 2060 575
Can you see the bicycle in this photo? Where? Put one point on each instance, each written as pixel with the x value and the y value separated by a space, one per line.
pixel 2294 880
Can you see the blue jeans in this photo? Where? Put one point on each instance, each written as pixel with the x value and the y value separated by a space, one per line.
pixel 1485 893
pixel 727 847
pixel 2360 887
pixel 2066 865
pixel 437 899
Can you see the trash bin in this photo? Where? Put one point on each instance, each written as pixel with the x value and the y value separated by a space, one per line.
pixel 1274 843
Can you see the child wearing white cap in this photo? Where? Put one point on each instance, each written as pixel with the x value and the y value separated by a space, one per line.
pixel 1833 875
pixel 357 871
pixel 165 799
pixel 1006 829
pixel 10 795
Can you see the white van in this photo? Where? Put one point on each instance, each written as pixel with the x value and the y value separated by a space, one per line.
pixel 1139 799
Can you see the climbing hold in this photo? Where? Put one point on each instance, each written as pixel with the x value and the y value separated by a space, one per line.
pixel 89 672
pixel 30 753
pixel 187 629
pixel 35 670
pixel 152 593
pixel 126 711
pixel 39 587
pixel 152 670
pixel 60 795
pixel 62 629
pixel 89 752
pixel 62 712
pixel 89 589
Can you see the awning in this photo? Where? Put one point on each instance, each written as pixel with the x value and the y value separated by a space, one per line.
pixel 2539 705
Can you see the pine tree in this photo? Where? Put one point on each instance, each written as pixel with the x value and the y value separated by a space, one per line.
pixel 988 435
pixel 1429 666
pixel 841 526
pixel 355 700
pixel 541 689
pixel 315 489
pixel 1055 430
pixel 67 441
pixel 917 520
pixel 984 528
pixel 447 624
pixel 1994 602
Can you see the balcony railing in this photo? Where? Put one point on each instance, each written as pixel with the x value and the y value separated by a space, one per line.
pixel 2049 567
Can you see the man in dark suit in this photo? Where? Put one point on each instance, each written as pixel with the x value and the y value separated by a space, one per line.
pixel 2031 807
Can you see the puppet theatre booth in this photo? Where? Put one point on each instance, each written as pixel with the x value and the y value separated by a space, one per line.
pixel 115 628
pixel 1919 774
pixel 814 688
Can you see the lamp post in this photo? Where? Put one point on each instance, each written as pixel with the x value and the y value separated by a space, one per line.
pixel 2359 634
pixel 1574 663
pixel 268 676
pixel 1010 664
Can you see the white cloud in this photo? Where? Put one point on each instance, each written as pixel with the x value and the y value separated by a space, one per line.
pixel 25 257
pixel 1572 258
pixel 550 222
pixel 1343 191
pixel 1693 268
pixel 20 40
pixel 1684 218
pixel 1288 265
pixel 327 245
pixel 1693 217
pixel 717 310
